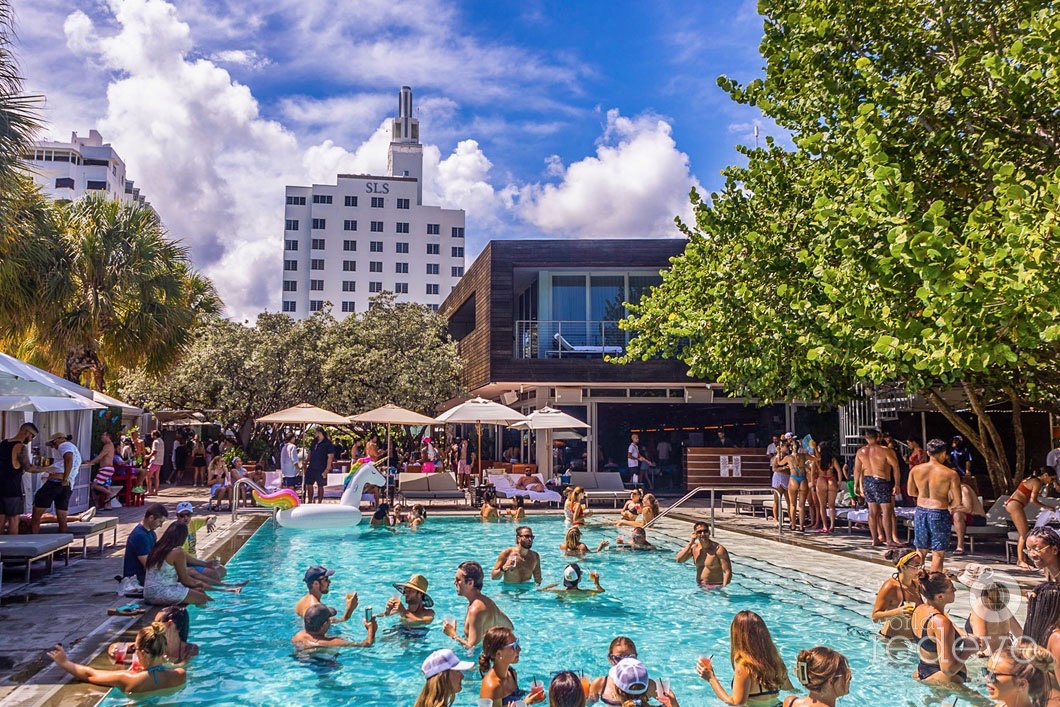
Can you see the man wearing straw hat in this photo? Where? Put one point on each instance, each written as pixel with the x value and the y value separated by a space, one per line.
pixel 417 609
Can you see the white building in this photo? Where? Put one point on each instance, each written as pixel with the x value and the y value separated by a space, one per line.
pixel 85 165
pixel 346 242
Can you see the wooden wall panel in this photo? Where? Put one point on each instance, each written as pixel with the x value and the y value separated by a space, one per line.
pixel 703 467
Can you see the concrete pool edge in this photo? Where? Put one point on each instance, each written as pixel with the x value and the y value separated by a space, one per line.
pixel 48 686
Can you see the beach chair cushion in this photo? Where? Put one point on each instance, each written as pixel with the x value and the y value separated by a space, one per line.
pixel 33 546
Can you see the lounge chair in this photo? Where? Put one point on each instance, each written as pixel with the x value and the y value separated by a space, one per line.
pixel 84 530
pixel 503 485
pixel 30 548
pixel 600 485
pixel 439 486
pixel 565 348
pixel 750 501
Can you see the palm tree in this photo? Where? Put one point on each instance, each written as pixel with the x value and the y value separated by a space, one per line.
pixel 120 294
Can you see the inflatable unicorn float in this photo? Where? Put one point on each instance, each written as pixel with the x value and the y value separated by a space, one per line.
pixel 291 513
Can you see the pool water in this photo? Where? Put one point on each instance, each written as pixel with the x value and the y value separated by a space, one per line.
pixel 246 655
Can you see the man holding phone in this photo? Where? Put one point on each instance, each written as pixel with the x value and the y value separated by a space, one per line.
pixel 318 583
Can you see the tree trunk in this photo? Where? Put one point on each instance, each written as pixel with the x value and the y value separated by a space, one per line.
pixel 1017 432
pixel 996 466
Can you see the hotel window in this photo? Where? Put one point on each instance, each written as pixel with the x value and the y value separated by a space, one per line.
pixel 315 305
pixel 434 249
pixel 349 245
pixel 403 203
pixel 290 245
pixel 296 201
pixel 401 247
pixel 377 226
pixel 402 227
pixel 349 286
pixel 317 244
pixel 375 266
pixel 432 289
pixel 401 288
pixel 351 201
pixel 458 251
pixel 290 286
pixel 319 223
pixel 377 202
pixel 349 266
pixel 375 246
pixel 316 285
pixel 290 265
pixel 434 307
pixel 458 232
pixel 375 287
pixel 432 268
pixel 457 271
pixel 401 268
pixel 288 306
pixel 434 229
pixel 64 183
pixel 321 198
pixel 349 225
pixel 316 264
pixel 290 224
pixel 349 307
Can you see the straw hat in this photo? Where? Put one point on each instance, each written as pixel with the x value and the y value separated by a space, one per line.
pixel 419 583
pixel 976 576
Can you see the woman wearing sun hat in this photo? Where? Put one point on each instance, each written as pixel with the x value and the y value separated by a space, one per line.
pixel 417 610
pixel 445 678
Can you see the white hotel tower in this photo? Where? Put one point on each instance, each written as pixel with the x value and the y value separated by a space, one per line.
pixel 346 242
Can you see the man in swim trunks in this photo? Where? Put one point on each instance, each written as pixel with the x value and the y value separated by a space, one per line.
pixel 938 491
pixel 318 582
pixel 482 613
pixel 519 564
pixel 976 515
pixel 529 482
pixel 101 481
pixel 317 620
pixel 713 567
pixel 875 469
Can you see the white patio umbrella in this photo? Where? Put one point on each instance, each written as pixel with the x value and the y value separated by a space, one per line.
pixel 549 419
pixel 47 403
pixel 304 414
pixel 391 414
pixel 479 411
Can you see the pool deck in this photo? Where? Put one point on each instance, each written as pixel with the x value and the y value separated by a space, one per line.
pixel 70 605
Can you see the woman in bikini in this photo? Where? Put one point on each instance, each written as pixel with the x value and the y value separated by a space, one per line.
pixel 798 488
pixel 1024 495
pixel 759 673
pixel 942 654
pixel 825 673
pixel 899 595
pixel 649 508
pixel 828 476
pixel 573 545
pixel 150 648
pixel 500 684
pixel 574 509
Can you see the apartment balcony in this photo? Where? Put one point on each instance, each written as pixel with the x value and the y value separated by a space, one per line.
pixel 553 339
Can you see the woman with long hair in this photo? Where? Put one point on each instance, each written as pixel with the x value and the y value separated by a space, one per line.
pixel 1043 623
pixel 759 673
pixel 1026 494
pixel 797 464
pixel 575 508
pixel 825 673
pixel 829 474
pixel 167 580
pixel 991 620
pixel 942 655
pixel 445 678
pixel 198 461
pixel 1021 675
pixel 899 595
pixel 603 688
pixel 219 481
pixel 573 546
pixel 649 508
pixel 150 648
pixel 178 627
pixel 500 684
pixel 565 690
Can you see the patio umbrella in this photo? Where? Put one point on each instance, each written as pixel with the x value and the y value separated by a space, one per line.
pixel 391 414
pixel 304 414
pixel 479 411
pixel 549 419
pixel 46 403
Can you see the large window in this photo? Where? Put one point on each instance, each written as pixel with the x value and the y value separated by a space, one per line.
pixel 606 295
pixel 322 198
pixel 568 298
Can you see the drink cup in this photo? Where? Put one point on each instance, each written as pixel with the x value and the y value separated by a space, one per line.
pixel 537 688
pixel 120 651
pixel 586 683
pixel 136 665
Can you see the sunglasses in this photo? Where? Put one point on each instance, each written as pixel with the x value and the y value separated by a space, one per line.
pixel 704 531
pixel 514 645
pixel 993 675
pixel 528 537
pixel 618 658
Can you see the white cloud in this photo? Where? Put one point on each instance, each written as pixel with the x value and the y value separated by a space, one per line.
pixel 634 186
pixel 240 57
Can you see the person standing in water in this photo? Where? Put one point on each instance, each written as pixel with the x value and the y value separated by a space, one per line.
pixel 713 567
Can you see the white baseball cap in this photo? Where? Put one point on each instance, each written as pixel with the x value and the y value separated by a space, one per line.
pixel 630 675
pixel 184 507
pixel 442 660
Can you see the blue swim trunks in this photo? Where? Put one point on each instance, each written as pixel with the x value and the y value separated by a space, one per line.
pixel 932 528
pixel 878 490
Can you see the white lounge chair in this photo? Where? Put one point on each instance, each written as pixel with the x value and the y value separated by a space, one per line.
pixel 565 348
pixel 503 485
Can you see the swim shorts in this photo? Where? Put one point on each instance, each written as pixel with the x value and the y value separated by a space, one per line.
pixel 12 506
pixel 51 492
pixel 932 528
pixel 315 476
pixel 878 490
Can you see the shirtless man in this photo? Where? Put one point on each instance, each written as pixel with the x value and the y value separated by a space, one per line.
pixel 938 491
pixel 529 482
pixel 101 481
pixel 419 611
pixel 519 564
pixel 318 581
pixel 975 517
pixel 875 469
pixel 317 621
pixel 482 613
pixel 713 568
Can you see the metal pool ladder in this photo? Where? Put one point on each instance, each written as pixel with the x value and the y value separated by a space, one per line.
pixel 234 502
pixel 712 489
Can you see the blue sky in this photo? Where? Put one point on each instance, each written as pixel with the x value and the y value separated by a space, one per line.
pixel 560 119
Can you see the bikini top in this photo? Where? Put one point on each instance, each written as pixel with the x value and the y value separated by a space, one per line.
pixel 926 643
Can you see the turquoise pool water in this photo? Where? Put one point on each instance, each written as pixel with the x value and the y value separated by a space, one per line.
pixel 246 655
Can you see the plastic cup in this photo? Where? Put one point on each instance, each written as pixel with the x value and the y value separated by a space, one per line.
pixel 586 684
pixel 120 651
pixel 664 685
pixel 537 688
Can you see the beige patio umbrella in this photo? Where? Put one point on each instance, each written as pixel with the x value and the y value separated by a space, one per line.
pixel 479 411
pixel 304 414
pixel 391 414
pixel 549 419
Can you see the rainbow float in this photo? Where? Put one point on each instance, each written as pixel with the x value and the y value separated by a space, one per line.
pixel 290 513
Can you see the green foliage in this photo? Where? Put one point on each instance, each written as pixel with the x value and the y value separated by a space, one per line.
pixel 911 235
pixel 399 353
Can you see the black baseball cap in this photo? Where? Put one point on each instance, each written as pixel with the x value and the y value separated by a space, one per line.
pixel 316 616
pixel 317 572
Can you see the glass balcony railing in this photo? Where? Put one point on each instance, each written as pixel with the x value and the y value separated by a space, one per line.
pixel 569 339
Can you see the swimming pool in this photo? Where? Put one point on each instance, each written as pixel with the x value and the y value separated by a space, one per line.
pixel 246 655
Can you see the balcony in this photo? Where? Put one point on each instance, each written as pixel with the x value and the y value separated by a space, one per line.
pixel 569 339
